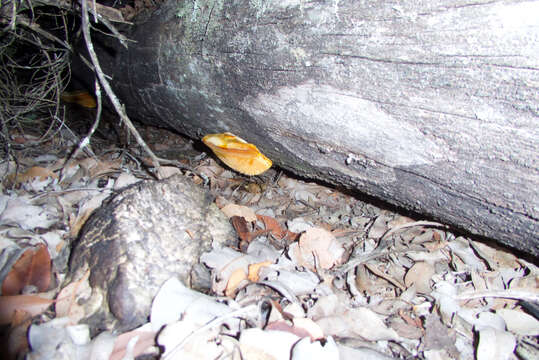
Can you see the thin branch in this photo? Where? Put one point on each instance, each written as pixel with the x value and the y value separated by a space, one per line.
pixel 519 294
pixel 22 20
pixel 120 110
pixel 86 141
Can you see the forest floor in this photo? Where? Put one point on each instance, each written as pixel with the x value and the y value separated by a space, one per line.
pixel 317 272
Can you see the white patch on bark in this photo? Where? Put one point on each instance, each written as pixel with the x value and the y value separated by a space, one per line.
pixel 321 113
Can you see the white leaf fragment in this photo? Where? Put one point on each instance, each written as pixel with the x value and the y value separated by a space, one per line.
pixel 519 322
pixel 495 345
pixel 307 350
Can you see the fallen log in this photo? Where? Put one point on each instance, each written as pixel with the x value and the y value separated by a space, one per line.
pixel 431 106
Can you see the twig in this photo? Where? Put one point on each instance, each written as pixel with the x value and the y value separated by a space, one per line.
pixel 120 110
pixel 86 141
pixel 509 294
pixel 385 276
pixel 35 27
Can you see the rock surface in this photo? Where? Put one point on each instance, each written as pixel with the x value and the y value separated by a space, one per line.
pixel 148 233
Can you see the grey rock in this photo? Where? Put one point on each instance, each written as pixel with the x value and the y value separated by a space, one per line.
pixel 146 234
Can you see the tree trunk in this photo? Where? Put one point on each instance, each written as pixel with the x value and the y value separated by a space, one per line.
pixel 430 105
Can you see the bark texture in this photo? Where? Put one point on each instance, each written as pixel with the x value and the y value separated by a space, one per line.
pixel 429 105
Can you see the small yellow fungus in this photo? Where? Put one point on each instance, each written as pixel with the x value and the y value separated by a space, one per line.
pixel 80 97
pixel 237 153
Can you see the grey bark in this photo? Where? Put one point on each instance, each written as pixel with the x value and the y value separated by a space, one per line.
pixel 430 105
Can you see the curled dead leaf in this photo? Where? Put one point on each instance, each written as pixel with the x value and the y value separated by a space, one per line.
pixel 30 303
pixel 234 281
pixel 255 268
pixel 32 268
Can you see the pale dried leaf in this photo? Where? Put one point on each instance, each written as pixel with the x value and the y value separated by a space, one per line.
pixel 296 282
pixel 110 13
pixel 496 258
pixel 461 247
pixel 168 171
pixel 239 210
pixel 445 294
pixel 325 306
pixel 254 344
pixel 85 210
pixel 32 304
pixel 21 212
pixel 307 350
pixel 294 310
pixel 67 302
pixel 200 345
pixel 379 227
pixel 255 268
pixel 143 337
pixel 495 345
pixel 420 275
pixel 234 280
pixel 437 335
pixel 57 339
pixel 125 179
pixel 405 329
pixel 317 245
pixel 55 241
pixel 174 301
pixel 519 322
pixel 312 328
pixel 298 225
pixel 486 320
pixel 357 322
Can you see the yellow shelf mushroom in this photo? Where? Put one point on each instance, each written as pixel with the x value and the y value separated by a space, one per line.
pixel 237 153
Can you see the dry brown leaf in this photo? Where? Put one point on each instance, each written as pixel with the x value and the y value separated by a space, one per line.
pixel 437 335
pixel 168 171
pixel 35 172
pixel 66 301
pixel 239 210
pixel 376 271
pixel 355 322
pixel 420 274
pixel 273 226
pixel 31 303
pixel 255 268
pixel 234 281
pixel 145 341
pixel 32 268
pixel 320 244
pixel 17 344
pixel 105 167
pixel 308 325
pixel 240 225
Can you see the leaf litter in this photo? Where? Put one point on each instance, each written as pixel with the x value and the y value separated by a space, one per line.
pixel 316 273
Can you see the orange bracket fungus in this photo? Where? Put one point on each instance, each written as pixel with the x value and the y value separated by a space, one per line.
pixel 237 153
